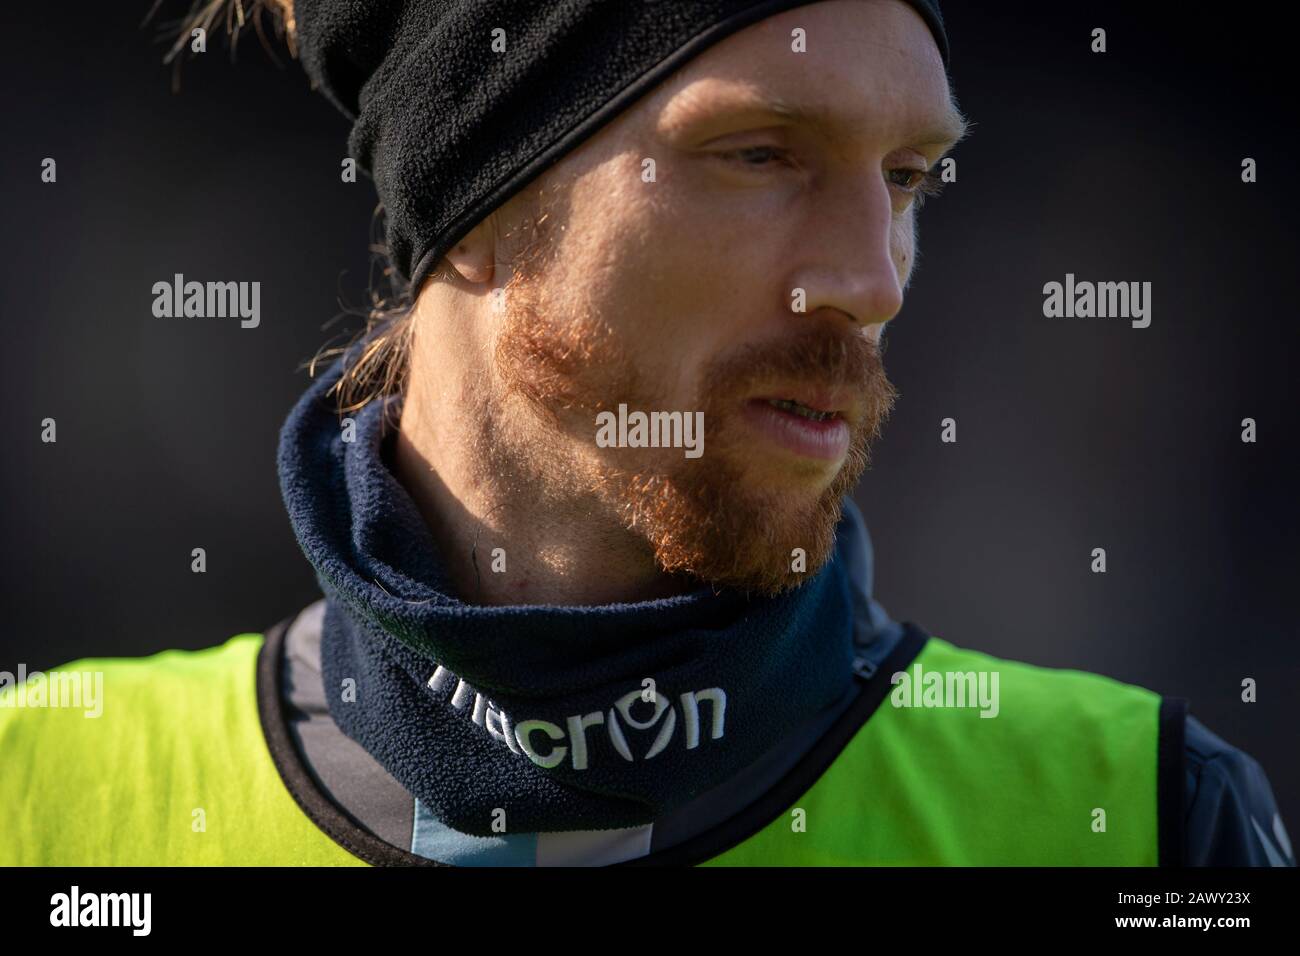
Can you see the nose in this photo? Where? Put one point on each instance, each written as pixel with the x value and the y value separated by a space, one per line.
pixel 846 262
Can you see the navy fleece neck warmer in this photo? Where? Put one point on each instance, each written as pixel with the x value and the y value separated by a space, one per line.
pixel 547 713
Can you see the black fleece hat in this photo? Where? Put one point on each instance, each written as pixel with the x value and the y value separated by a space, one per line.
pixel 458 104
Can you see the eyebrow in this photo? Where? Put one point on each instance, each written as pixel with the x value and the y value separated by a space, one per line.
pixel 947 132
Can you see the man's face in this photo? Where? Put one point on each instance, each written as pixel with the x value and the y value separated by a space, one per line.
pixel 703 253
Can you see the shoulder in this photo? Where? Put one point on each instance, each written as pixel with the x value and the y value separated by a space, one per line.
pixel 1227 811
pixel 116 738
pixel 86 710
pixel 94 691
pixel 1038 694
pixel 98 691
pixel 1069 724
pixel 1232 817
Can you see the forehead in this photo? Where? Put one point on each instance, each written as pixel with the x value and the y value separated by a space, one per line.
pixel 866 67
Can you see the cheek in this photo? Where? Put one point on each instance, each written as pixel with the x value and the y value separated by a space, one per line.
pixel 675 275
pixel 902 241
pixel 667 297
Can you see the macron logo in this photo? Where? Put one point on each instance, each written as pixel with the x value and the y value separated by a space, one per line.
pixel 569 742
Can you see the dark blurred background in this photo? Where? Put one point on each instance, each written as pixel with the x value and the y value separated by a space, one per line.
pixel 1072 433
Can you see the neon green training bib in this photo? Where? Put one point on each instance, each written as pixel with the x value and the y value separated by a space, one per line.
pixel 180 768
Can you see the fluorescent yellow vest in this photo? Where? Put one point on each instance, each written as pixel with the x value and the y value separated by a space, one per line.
pixel 177 771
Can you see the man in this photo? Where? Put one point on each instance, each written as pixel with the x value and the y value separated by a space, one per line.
pixel 593 590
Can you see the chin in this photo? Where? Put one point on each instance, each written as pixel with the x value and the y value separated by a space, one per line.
pixel 735 518
pixel 804 480
pixel 764 542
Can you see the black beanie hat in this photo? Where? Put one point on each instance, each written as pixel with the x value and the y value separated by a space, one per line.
pixel 449 129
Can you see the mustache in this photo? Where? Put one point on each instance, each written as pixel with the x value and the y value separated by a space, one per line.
pixel 819 353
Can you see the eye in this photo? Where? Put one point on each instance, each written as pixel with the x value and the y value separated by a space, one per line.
pixel 753 157
pixel 917 182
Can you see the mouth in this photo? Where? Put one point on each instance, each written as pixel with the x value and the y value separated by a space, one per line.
pixel 796 407
pixel 808 427
pixel 814 402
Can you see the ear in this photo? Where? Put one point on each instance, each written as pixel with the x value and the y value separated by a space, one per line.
pixel 474 255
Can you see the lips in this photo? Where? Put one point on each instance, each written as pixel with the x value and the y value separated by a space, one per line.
pixel 814 403
pixel 802 410
pixel 800 432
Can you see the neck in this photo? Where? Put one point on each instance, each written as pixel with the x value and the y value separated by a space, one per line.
pixel 507 532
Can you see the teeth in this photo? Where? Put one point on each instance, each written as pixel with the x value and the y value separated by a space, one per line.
pixel 790 405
